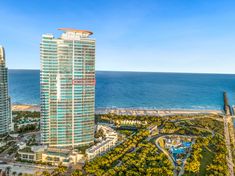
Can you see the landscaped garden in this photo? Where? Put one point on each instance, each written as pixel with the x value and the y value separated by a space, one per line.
pixel 26 121
pixel 138 154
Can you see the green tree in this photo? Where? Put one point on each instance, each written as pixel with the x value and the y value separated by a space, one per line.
pixel 76 173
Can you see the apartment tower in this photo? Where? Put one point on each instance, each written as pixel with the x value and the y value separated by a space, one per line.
pixel 5 103
pixel 67 88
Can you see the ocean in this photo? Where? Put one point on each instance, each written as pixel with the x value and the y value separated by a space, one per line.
pixel 139 89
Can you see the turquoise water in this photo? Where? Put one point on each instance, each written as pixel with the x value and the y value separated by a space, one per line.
pixel 177 150
pixel 138 90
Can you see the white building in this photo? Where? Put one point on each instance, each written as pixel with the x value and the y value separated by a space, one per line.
pixel 66 157
pixel 33 153
pixel 174 142
pixel 28 121
pixel 21 145
pixel 131 122
pixel 102 147
pixel 54 156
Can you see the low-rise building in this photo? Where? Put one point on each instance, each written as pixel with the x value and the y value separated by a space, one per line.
pixel 172 142
pixel 131 122
pixel 54 156
pixel 57 156
pixel 33 153
pixel 28 121
pixel 111 138
pixel 21 145
pixel 14 135
pixel 2 143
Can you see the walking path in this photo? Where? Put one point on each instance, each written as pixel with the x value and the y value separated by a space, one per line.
pixel 228 145
pixel 166 153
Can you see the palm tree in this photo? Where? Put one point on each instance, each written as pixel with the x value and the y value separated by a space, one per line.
pixel 8 169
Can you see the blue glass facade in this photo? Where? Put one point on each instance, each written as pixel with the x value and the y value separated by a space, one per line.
pixel 67 89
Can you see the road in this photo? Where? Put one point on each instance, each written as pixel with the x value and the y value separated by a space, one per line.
pixel 185 160
pixel 26 167
pixel 228 145
pixel 166 153
pixel 8 158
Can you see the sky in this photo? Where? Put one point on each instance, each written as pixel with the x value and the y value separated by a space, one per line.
pixel 196 36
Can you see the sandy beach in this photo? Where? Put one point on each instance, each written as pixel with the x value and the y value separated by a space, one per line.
pixel 129 111
pixel 155 112
pixel 22 107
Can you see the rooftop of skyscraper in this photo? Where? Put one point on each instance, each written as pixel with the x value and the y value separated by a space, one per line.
pixel 76 31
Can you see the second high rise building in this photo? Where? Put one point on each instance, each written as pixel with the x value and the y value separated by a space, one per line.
pixel 67 88
pixel 5 103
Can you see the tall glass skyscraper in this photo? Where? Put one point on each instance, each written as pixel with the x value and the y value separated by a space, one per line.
pixel 5 103
pixel 67 88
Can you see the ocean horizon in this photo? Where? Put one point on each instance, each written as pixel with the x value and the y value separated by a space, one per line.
pixel 146 90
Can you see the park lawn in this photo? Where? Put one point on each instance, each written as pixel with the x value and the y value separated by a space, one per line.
pixel 207 157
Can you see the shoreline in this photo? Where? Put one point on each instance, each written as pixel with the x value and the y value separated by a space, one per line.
pixel 129 111
pixel 25 107
pixel 156 112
